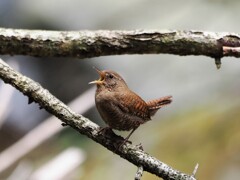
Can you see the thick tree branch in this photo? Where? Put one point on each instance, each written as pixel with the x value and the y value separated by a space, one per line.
pixel 86 44
pixel 86 127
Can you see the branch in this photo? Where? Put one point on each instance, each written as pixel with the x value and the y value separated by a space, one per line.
pixel 139 173
pixel 86 127
pixel 86 44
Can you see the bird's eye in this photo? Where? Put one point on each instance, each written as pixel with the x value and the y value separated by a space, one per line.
pixel 110 76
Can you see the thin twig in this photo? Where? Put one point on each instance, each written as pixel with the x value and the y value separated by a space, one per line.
pixel 86 127
pixel 195 170
pixel 86 44
pixel 139 173
pixel 218 63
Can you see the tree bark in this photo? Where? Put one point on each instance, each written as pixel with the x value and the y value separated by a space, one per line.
pixel 88 44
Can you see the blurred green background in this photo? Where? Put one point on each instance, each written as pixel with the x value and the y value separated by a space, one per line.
pixel 202 125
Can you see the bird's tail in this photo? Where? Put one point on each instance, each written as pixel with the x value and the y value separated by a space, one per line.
pixel 156 104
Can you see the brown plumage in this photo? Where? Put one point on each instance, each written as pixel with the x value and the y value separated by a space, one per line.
pixel 121 108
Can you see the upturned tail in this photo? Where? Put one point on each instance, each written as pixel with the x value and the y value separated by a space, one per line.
pixel 156 104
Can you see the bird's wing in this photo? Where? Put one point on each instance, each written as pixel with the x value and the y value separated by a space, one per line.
pixel 134 105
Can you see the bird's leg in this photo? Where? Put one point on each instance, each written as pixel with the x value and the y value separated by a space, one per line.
pixel 126 139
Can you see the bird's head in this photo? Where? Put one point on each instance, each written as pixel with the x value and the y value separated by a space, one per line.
pixel 109 79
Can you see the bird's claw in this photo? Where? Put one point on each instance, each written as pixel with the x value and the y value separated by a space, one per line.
pixel 104 130
pixel 139 146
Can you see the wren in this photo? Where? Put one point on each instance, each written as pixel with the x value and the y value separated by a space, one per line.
pixel 121 108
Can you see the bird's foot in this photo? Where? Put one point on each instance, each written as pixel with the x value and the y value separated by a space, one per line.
pixel 126 139
pixel 120 140
pixel 108 133
pixel 122 143
pixel 104 130
pixel 139 146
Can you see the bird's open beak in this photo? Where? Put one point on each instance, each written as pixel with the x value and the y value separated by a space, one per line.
pixel 100 80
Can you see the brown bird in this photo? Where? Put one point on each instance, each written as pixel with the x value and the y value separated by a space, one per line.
pixel 119 107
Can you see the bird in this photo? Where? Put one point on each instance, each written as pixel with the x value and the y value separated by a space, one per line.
pixel 119 107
